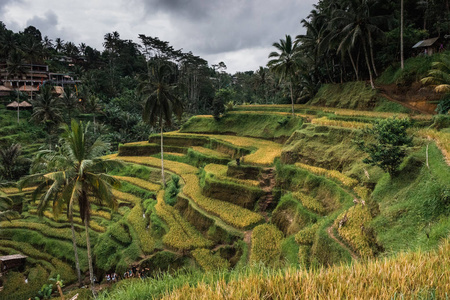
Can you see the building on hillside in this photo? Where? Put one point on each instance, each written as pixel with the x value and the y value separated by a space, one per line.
pixel 28 80
pixel 31 77
pixel 429 46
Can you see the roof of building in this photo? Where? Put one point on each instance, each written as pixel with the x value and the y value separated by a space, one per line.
pixel 12 257
pixel 5 88
pixel 426 43
pixel 21 104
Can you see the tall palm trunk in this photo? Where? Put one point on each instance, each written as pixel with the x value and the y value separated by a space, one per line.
pixel 89 255
pixel 75 251
pixel 401 36
pixel 371 54
pixel 162 157
pixel 353 64
pixel 368 63
pixel 292 97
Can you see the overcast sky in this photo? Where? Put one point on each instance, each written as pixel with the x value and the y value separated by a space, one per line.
pixel 237 32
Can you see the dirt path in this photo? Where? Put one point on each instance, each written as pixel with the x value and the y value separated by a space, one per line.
pixel 390 98
pixel 248 241
pixel 331 235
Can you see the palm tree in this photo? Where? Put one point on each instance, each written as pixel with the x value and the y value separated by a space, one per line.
pixel 358 25
pixel 70 100
pixel 59 44
pixel 439 75
pixel 6 213
pixel 76 178
pixel 284 62
pixel 47 109
pixel 157 89
pixel 9 159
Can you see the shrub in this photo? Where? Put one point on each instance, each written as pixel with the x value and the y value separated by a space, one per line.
pixel 391 141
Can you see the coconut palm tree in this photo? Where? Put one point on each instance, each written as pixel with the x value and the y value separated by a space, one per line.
pixel 157 89
pixel 69 100
pixel 439 75
pixel 284 62
pixel 6 213
pixel 47 109
pixel 357 25
pixel 76 178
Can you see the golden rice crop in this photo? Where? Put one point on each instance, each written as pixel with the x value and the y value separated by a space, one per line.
pixel 210 152
pixel 220 172
pixel 137 221
pixel 265 154
pixel 147 185
pixel 174 154
pixel 125 196
pixel 353 231
pixel 102 214
pixel 332 174
pixel 266 244
pixel 415 275
pixel 339 123
pixel 209 261
pixel 182 235
pixel 306 235
pixel 362 192
pixel 176 167
pixel 230 213
pixel 310 203
pixel 442 140
pixel 92 224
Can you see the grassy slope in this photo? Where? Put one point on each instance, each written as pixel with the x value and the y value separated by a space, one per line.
pixel 264 126
pixel 415 204
pixel 354 95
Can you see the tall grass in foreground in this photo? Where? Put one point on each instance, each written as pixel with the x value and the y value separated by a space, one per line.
pixel 414 275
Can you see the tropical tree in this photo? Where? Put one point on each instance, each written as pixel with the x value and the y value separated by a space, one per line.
pixel 439 75
pixel 284 62
pixel 69 101
pixel 47 109
pixel 74 175
pixel 357 24
pixel 6 213
pixel 11 162
pixel 157 89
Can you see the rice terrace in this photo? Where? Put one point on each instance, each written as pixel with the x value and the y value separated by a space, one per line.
pixel 143 171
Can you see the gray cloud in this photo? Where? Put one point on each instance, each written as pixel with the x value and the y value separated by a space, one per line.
pixel 213 27
pixel 240 31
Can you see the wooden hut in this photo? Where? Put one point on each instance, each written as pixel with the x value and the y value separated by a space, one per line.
pixel 14 261
pixel 428 47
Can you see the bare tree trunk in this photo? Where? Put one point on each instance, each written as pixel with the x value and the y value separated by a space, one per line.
pixel 353 64
pixel 75 251
pixel 89 255
pixel 371 54
pixel 402 63
pixel 368 63
pixel 162 158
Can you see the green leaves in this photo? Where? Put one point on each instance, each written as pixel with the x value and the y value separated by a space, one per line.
pixel 391 143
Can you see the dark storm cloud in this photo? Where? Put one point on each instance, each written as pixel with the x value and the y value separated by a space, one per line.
pixel 222 26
